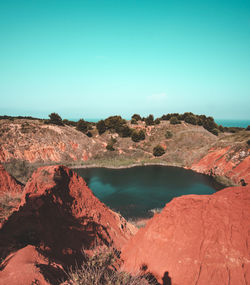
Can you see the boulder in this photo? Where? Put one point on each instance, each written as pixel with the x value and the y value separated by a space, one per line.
pixel 196 240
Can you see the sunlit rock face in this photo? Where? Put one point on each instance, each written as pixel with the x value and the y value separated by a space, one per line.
pixel 196 240
pixel 230 162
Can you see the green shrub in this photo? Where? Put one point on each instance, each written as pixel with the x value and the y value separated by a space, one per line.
pixel 168 135
pixel 82 126
pixel 134 122
pixel 214 132
pixel 248 128
pixel 248 142
pixel 191 119
pixel 136 117
pixel 69 123
pixel 110 145
pixel 174 121
pixel 138 136
pixel 221 128
pixel 149 120
pixel 157 121
pixel 101 127
pixel 55 119
pixel 124 131
pixel 158 150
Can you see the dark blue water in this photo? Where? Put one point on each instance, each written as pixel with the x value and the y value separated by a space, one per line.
pixel 136 191
pixel 233 123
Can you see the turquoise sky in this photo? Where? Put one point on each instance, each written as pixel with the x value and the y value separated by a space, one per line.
pixel 95 58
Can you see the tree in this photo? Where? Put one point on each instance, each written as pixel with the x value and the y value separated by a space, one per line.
pixel 101 127
pixel 55 119
pixel 149 120
pixel 214 132
pixel 124 131
pixel 136 117
pixel 134 122
pixel 174 121
pixel 158 150
pixel 138 136
pixel 191 119
pixel 82 126
pixel 157 121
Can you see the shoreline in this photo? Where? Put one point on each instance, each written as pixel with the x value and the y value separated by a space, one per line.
pixel 224 181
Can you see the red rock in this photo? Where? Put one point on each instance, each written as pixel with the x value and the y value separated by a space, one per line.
pixel 225 162
pixel 25 266
pixel 60 215
pixel 196 240
pixel 8 184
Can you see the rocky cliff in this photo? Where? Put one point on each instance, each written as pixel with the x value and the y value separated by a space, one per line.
pixel 58 218
pixel 231 161
pixel 196 240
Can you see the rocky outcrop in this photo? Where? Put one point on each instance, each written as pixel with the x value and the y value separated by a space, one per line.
pixel 196 240
pixel 29 266
pixel 60 216
pixel 228 161
pixel 8 184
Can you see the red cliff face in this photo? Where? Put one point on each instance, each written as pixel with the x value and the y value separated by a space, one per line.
pixel 60 216
pixel 7 183
pixel 196 240
pixel 229 162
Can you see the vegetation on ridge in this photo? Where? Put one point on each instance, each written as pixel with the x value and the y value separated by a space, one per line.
pixel 101 268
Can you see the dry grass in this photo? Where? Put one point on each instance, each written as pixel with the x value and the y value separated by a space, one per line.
pixel 101 268
pixel 8 202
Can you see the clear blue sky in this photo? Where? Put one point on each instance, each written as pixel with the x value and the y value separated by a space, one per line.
pixel 95 58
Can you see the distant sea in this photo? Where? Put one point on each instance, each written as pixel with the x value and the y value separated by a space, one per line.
pixel 233 123
pixel 223 122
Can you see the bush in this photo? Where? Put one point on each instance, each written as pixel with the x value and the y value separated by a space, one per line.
pixel 221 128
pixel 138 136
pixel 214 132
pixel 248 128
pixel 157 121
pixel 114 122
pixel 134 122
pixel 209 124
pixel 149 120
pixel 110 145
pixel 248 142
pixel 174 121
pixel 82 126
pixel 69 123
pixel 158 150
pixel 101 127
pixel 136 117
pixel 190 119
pixel 168 135
pixel 101 269
pixel 55 119
pixel 124 131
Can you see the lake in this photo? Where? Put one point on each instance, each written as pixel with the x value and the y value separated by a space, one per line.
pixel 138 191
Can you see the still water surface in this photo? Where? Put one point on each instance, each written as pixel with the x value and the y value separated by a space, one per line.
pixel 136 191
